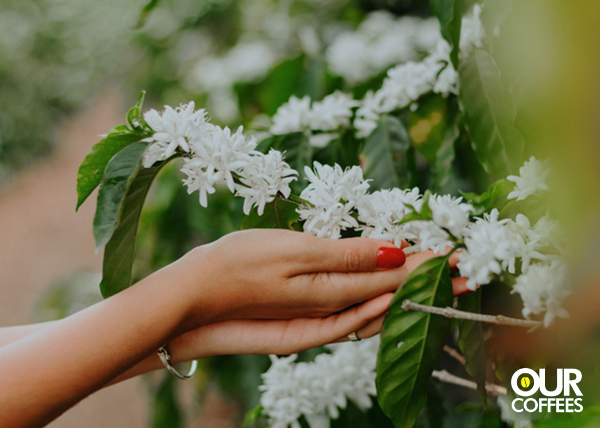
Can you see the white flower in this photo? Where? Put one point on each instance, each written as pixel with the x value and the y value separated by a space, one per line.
pixel 449 213
pixel 333 112
pixel 320 388
pixel 267 176
pixel 175 128
pixel 198 179
pixel 532 179
pixel 488 243
pixel 429 237
pixel 293 116
pixel 543 288
pixel 472 32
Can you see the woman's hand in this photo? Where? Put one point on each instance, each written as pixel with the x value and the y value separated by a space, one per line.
pixel 280 274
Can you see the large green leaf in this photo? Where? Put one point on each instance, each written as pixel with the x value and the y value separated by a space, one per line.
pixel 112 192
pixel 92 168
pixel 120 250
pixel 496 196
pixel 427 125
pixel 278 214
pixel 489 113
pixel 411 342
pixel 470 341
pixel 449 13
pixel 384 155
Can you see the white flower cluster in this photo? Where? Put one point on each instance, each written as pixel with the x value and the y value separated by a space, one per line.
pixel 333 194
pixel 320 388
pixel 215 155
pixel 407 82
pixel 330 114
pixel 380 42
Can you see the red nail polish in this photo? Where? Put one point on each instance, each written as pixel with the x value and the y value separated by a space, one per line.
pixel 390 257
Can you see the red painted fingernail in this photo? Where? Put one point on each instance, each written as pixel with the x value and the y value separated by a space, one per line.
pixel 390 257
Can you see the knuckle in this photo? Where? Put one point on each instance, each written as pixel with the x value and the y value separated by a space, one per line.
pixel 352 259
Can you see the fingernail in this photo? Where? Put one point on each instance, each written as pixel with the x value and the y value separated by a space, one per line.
pixel 464 293
pixel 390 257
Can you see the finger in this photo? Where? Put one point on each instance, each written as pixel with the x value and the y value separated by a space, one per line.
pixel 330 292
pixel 318 332
pixel 349 255
pixel 368 330
pixel 459 286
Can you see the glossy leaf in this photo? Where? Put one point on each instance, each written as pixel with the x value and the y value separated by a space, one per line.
pixel 470 341
pixel 119 252
pixel 92 168
pixel 489 112
pixel 442 175
pixel 135 118
pixel 411 342
pixel 449 13
pixel 112 192
pixel 496 196
pixel 384 155
pixel 426 126
pixel 278 214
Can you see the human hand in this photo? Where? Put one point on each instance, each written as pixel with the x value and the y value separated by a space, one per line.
pixel 294 335
pixel 280 274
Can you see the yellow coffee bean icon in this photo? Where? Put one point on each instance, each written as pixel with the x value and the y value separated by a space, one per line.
pixel 525 382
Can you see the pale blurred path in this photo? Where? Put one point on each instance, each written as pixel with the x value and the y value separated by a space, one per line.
pixel 43 239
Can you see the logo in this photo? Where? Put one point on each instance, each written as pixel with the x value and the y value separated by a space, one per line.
pixel 526 382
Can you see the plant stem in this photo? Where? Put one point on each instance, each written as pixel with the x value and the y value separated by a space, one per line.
pixel 298 200
pixel 407 305
pixel 444 376
pixel 454 354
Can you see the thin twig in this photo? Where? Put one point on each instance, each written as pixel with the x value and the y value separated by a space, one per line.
pixel 407 305
pixel 444 376
pixel 454 354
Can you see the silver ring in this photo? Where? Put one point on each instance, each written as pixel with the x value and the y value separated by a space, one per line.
pixel 165 357
pixel 354 337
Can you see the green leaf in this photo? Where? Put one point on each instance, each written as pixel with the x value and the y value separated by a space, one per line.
pixel 411 342
pixel 426 126
pixel 135 118
pixel 92 168
pixel 470 341
pixel 384 155
pixel 449 13
pixel 113 190
pixel 441 177
pixel 489 113
pixel 424 214
pixel 278 214
pixel 496 196
pixel 145 12
pixel 165 405
pixel 119 252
